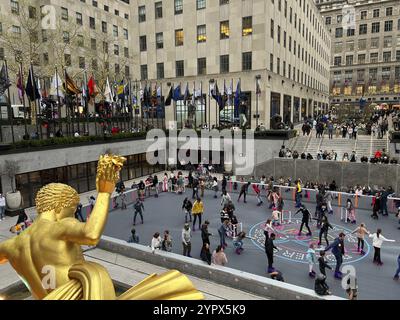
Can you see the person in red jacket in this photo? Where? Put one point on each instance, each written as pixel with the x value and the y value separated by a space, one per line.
pixel 257 191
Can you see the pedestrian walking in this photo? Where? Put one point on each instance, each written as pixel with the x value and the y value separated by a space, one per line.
pixel 186 240
pixel 187 208
pixel 2 206
pixel 311 259
pixel 205 235
pixel 133 238
pixel 338 251
pixel 155 185
pixel 156 242
pixel 361 232
pixel 139 208
pixel 269 250
pixel 225 198
pixel 197 212
pixel 195 194
pixel 224 184
pixel 123 200
pixel 215 187
pixel 219 256
pixel 202 186
pixel 377 241
pixel 205 253
pixel 243 191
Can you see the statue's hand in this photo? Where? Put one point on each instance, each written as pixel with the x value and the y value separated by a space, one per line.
pixel 108 170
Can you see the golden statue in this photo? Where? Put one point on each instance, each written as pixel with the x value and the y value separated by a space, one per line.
pixel 53 243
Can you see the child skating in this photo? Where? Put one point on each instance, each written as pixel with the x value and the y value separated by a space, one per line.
pixel 311 258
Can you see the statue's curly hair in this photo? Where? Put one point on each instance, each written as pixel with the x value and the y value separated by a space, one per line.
pixel 56 196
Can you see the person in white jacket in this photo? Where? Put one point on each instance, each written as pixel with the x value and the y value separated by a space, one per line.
pixel 377 241
pixel 156 242
pixel 225 198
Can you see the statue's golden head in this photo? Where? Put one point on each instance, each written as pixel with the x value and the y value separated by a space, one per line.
pixel 56 197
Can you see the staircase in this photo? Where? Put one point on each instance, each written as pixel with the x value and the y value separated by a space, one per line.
pixel 300 144
pixel 314 145
pixel 379 144
pixel 363 146
pixel 339 145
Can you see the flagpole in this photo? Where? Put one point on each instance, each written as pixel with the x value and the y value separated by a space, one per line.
pixel 161 105
pixel 59 103
pixel 136 115
pixel 23 98
pixel 257 104
pixel 216 106
pixel 87 103
pixel 35 100
pixel 68 108
pixel 11 111
pixel 131 104
pixel 194 105
pixel 209 108
pixel 201 104
pixel 233 105
pixel 180 89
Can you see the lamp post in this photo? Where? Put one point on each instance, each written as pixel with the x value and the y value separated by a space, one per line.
pixel 209 104
pixel 258 92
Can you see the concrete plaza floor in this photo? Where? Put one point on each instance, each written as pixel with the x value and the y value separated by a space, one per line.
pixel 165 213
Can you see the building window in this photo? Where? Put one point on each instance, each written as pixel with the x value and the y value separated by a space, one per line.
pixel 93 44
pixel 362 44
pixel 201 33
pixel 339 32
pixel 126 52
pixel 279 34
pixel 67 59
pixel 389 11
pixel 373 57
pixel 272 29
pixel 178 6
pixel 14 7
pixel 104 26
pixel 127 71
pixel 224 63
pixel 350 32
pixel 179 37
pixel 224 30
pixel 115 31
pixel 349 60
pixel 247 26
pixel 116 12
pixel 200 4
pixel 278 66
pixel 160 70
pixel 398 55
pixel 64 14
pixel 92 23
pixel 271 62
pixel 385 73
pixel 116 68
pixel 159 40
pixel 376 27
pixel 375 43
pixel 143 72
pixel 388 25
pixel 32 12
pixel 79 20
pixel 94 3
pixel 387 42
pixel 142 43
pixel 126 35
pixel 201 66
pixel 363 29
pixel 142 13
pixel 339 18
pixel 246 61
pixel 116 49
pixel 361 59
pixel 82 64
pixel 66 36
pixel 364 15
pixel 106 8
pixel 105 47
pixel 221 2
pixel 376 13
pixel 179 68
pixel 158 9
pixel 337 61
pixel 387 56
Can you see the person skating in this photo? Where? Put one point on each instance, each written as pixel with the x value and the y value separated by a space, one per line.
pixel 141 190
pixel 215 187
pixel 225 198
pixel 195 194
pixel 187 208
pixel 155 185
pixel 322 263
pixel 376 204
pixel 224 184
pixel 298 193
pixel 351 212
pixel 305 219
pixel 205 253
pixel 377 241
pixel 269 250
pixel 205 235
pixel 320 286
pixel 311 259
pixel 338 251
pixel 325 225
pixel 396 275
pixel 222 233
pixel 243 191
pixel 257 191
pixel 328 197
pixel 268 230
pixel 238 242
pixel 197 212
pixel 139 207
pixel 186 240
pixel 361 232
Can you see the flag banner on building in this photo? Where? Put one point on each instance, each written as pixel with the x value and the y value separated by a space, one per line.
pixel 20 87
pixel 177 94
pixel 56 86
pixel 237 100
pixel 31 87
pixel 92 87
pixel 230 94
pixel 4 80
pixel 218 97
pixel 258 87
pixel 169 97
pixel 159 93
pixel 121 91
pixel 108 94
pixel 70 86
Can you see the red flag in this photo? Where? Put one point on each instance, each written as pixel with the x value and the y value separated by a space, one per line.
pixel 92 87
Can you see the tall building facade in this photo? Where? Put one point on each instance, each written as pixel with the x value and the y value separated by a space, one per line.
pixel 283 44
pixel 365 65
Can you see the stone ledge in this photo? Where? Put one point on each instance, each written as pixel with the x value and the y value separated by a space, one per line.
pixel 223 275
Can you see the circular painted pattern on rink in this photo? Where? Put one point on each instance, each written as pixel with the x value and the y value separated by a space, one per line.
pixel 294 247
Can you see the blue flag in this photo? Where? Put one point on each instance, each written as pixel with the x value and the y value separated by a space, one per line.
pixel 218 97
pixel 237 100
pixel 177 93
